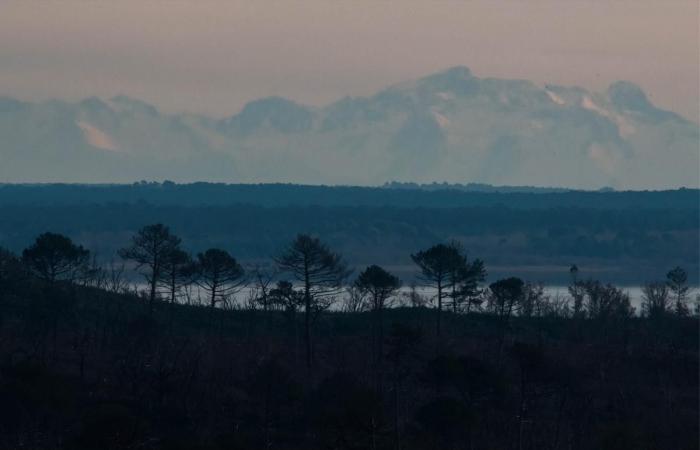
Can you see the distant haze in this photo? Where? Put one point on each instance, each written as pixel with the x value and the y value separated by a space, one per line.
pixel 213 57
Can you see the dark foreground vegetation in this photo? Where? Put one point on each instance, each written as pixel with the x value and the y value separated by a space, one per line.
pixel 87 362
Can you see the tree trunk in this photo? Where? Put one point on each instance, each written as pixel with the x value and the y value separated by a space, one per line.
pixel 307 317
pixel 212 300
pixel 172 287
pixel 380 345
pixel 454 298
pixel 439 308
pixel 295 324
pixel 152 296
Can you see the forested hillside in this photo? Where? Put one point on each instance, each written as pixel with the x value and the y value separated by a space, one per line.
pixel 88 361
pixel 397 195
pixel 618 236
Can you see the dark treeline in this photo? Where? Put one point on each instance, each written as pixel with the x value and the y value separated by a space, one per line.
pixel 635 240
pixel 196 194
pixel 627 236
pixel 311 355
pixel 476 187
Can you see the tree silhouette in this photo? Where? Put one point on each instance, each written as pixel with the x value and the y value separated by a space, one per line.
pixel 12 271
pixel 464 280
pixel 150 249
pixel 677 280
pixel 160 382
pixel 605 301
pixel 506 295
pixel 285 296
pixel 577 291
pixel 178 271
pixel 219 274
pixel 655 300
pixel 437 264
pixel 379 285
pixel 533 300
pixel 321 273
pixel 54 257
pixel 262 277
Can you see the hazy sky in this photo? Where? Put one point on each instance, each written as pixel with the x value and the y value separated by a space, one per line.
pixel 213 56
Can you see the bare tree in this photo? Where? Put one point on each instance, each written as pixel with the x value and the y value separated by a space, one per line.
pixel 354 300
pixel 605 301
pixel 149 249
pixel 262 276
pixel 115 278
pixel 413 298
pixel 556 305
pixel 533 300
pixel 321 273
pixel 655 300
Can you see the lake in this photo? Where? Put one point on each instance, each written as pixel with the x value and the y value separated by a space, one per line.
pixel 196 295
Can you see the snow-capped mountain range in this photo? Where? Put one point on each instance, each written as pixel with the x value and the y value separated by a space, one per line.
pixel 450 126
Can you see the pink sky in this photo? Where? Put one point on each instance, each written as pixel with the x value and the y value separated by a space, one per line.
pixel 213 56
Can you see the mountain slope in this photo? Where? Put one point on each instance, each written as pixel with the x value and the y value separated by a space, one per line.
pixel 450 126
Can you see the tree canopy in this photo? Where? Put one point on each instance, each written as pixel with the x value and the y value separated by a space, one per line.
pixel 55 257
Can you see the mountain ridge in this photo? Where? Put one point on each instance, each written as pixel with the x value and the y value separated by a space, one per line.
pixel 450 126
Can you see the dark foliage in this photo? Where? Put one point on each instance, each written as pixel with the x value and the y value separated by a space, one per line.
pixel 86 367
pixel 54 257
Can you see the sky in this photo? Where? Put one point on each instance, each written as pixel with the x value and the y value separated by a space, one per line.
pixel 214 56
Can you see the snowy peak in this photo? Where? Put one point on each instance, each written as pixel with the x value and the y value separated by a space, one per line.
pixel 273 113
pixel 96 137
pixel 125 104
pixel 628 97
pixel 456 80
pixel 450 126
